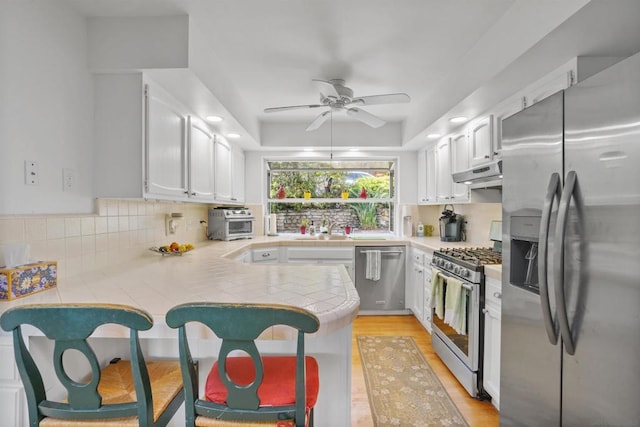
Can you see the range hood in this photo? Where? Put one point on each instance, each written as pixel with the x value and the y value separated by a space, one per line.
pixel 484 176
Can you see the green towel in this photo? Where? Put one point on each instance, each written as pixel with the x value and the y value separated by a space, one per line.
pixel 456 306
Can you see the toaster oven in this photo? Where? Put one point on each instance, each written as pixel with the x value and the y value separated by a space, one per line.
pixel 230 224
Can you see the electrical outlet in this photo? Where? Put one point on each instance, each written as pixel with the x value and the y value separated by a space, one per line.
pixel 30 172
pixel 68 179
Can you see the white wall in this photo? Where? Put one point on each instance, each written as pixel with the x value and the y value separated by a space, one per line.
pixel 46 107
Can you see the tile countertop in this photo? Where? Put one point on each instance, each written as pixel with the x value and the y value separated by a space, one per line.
pixel 210 273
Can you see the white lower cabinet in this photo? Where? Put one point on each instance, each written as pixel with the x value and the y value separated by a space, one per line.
pixel 426 318
pixel 12 404
pixel 265 255
pixel 414 278
pixel 492 328
pixel 418 286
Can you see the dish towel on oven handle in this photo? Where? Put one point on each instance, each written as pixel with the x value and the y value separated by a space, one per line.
pixel 437 286
pixel 372 269
pixel 455 314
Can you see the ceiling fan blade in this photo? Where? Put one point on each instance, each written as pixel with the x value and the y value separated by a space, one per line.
pixel 318 121
pixel 292 107
pixel 390 98
pixel 326 88
pixel 366 118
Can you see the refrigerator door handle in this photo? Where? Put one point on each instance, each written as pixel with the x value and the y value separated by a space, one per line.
pixel 558 273
pixel 553 192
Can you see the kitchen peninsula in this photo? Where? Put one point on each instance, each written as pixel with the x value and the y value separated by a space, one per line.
pixel 157 283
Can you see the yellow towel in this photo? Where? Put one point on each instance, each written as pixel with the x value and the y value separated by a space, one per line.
pixel 456 306
pixel 436 293
pixel 454 287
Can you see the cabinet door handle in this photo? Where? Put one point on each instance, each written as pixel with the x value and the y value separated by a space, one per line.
pixel 495 153
pixel 485 311
pixel 486 156
pixel 266 254
pixel 186 192
pixel 497 295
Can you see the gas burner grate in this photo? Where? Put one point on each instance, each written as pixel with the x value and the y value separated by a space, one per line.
pixel 478 256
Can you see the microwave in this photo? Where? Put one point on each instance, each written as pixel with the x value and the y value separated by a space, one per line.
pixel 230 224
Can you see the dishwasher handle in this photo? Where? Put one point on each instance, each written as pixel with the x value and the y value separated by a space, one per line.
pixel 382 252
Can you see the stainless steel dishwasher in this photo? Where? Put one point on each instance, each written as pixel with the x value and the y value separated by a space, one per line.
pixel 386 295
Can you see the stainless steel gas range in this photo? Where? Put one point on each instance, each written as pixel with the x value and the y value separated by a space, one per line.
pixel 457 304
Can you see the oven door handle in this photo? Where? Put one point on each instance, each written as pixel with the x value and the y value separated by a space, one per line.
pixel 553 192
pixel 382 252
pixel 464 285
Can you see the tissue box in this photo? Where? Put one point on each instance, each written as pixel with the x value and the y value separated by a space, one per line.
pixel 27 279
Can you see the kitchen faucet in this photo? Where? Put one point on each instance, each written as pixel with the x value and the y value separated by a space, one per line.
pixel 330 225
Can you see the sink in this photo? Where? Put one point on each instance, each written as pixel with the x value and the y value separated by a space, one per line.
pixel 370 238
pixel 323 237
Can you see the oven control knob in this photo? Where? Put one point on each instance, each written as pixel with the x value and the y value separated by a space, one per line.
pixel 465 273
pixel 456 270
pixel 449 266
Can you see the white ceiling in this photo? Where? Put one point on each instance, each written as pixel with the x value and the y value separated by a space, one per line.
pixel 455 56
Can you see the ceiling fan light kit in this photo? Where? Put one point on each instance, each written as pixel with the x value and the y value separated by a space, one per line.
pixel 336 96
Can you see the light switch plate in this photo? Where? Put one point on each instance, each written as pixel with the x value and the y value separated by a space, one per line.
pixel 68 179
pixel 30 172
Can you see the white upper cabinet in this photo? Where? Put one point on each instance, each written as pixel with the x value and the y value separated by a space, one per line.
pixel 501 112
pixel 237 175
pixel 481 140
pixel 432 168
pixel 422 176
pixel 147 144
pixel 444 181
pixel 165 146
pixel 201 178
pixel 460 151
pixel 460 162
pixel 222 158
pixel 427 167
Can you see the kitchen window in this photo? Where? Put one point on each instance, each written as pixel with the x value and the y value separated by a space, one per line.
pixel 358 194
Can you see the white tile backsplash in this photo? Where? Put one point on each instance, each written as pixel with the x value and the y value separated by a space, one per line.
pixel 72 227
pixel 35 229
pixel 88 226
pixel 101 225
pixel 55 228
pixel 120 230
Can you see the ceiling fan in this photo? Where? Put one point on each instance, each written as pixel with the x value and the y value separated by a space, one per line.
pixel 335 95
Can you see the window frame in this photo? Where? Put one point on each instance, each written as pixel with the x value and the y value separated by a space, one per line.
pixel 392 200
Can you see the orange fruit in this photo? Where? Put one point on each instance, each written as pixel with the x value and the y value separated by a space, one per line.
pixel 174 246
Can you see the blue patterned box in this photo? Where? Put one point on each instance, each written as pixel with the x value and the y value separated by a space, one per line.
pixel 27 279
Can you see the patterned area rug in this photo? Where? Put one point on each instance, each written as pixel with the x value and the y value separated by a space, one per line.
pixel 403 389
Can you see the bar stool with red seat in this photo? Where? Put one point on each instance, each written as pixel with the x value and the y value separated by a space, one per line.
pixel 254 389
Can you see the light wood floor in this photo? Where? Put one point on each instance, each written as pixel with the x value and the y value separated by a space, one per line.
pixel 477 413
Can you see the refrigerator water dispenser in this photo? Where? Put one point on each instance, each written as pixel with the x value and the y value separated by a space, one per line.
pixel 524 252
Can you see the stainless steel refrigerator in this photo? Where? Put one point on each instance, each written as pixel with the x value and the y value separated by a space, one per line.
pixel 570 352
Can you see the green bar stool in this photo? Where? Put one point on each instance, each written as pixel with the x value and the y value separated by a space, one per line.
pixel 124 393
pixel 251 390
